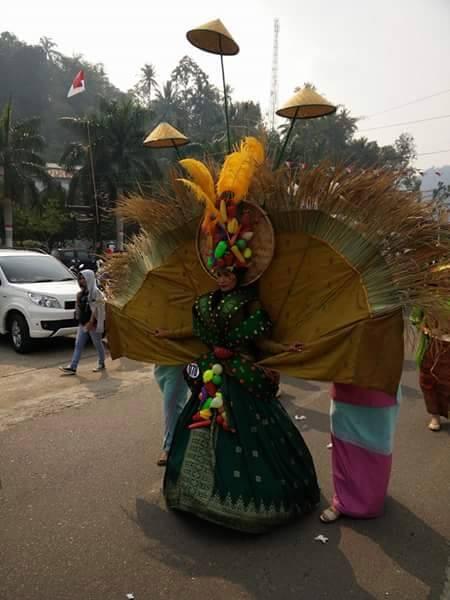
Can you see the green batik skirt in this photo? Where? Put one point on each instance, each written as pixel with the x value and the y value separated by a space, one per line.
pixel 253 479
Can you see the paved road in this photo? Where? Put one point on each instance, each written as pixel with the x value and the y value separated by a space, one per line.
pixel 81 517
pixel 31 384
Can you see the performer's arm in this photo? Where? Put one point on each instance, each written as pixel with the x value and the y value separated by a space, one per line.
pixel 268 345
pixel 175 334
pixel 181 333
pixel 271 346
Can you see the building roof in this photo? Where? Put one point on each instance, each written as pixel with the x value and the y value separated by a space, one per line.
pixel 58 172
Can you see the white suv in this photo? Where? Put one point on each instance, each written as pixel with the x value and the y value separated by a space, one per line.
pixel 37 297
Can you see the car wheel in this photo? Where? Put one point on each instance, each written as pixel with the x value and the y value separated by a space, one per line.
pixel 19 334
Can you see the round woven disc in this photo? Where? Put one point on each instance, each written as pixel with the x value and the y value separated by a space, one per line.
pixel 262 245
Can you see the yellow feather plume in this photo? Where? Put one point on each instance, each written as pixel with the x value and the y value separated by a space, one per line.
pixel 254 148
pixel 201 175
pixel 239 168
pixel 202 197
pixel 236 175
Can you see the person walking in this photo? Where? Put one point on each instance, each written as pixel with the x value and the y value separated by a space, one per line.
pixel 433 360
pixel 90 312
pixel 170 379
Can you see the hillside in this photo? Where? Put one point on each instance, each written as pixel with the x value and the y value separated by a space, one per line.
pixel 37 78
pixel 431 178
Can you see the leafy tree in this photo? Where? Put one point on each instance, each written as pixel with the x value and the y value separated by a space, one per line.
pixel 333 138
pixel 441 198
pixel 441 193
pixel 167 106
pixel 46 223
pixel 21 147
pixel 245 118
pixel 199 101
pixel 49 48
pixel 313 140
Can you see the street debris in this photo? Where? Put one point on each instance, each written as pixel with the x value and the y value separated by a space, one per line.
pixel 321 538
pixel 300 418
pixel 130 597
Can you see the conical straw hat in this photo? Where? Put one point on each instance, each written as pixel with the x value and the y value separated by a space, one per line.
pixel 165 136
pixel 306 104
pixel 213 37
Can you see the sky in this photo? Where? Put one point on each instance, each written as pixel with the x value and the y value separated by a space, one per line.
pixel 368 55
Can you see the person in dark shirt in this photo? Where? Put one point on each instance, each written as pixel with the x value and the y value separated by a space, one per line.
pixel 90 312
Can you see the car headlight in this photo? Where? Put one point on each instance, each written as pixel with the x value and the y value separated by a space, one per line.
pixel 45 301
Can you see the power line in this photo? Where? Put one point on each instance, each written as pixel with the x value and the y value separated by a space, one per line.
pixel 382 112
pixel 435 152
pixel 406 123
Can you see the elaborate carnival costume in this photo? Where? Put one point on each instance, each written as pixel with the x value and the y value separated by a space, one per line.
pixel 350 252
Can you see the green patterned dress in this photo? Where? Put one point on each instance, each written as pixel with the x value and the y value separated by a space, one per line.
pixel 260 474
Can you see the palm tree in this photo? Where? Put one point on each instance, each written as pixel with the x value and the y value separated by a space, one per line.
pixel 21 163
pixel 121 162
pixel 49 48
pixel 147 83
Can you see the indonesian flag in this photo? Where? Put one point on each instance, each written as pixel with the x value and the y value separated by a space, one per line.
pixel 78 85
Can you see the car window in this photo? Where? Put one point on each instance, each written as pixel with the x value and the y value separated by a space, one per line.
pixel 34 269
pixel 83 256
pixel 67 254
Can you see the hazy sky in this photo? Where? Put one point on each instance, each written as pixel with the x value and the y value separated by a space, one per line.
pixel 369 55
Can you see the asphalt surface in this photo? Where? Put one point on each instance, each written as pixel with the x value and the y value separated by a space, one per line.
pixel 81 516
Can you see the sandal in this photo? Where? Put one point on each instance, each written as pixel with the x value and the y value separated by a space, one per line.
pixel 330 515
pixel 162 460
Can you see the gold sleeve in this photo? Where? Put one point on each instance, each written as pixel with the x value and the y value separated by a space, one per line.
pixel 181 333
pixel 271 346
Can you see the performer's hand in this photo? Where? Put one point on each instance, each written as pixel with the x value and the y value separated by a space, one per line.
pixel 161 333
pixel 296 347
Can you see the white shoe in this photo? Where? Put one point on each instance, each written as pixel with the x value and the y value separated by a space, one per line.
pixel 435 423
pixel 99 368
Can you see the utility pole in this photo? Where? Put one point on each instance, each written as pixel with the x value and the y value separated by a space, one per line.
pixel 274 85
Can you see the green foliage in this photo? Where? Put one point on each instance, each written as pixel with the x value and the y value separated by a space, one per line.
pixel 47 223
pixel 121 162
pixel 333 138
pixel 147 84
pixel 199 101
pixel 21 163
pixel 37 77
pixel 441 194
pixel 21 147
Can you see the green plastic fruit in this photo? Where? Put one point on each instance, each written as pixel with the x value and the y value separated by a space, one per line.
pixel 221 249
pixel 207 376
pixel 217 380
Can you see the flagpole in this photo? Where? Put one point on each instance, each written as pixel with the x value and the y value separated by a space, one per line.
pixel 94 185
pixel 78 86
